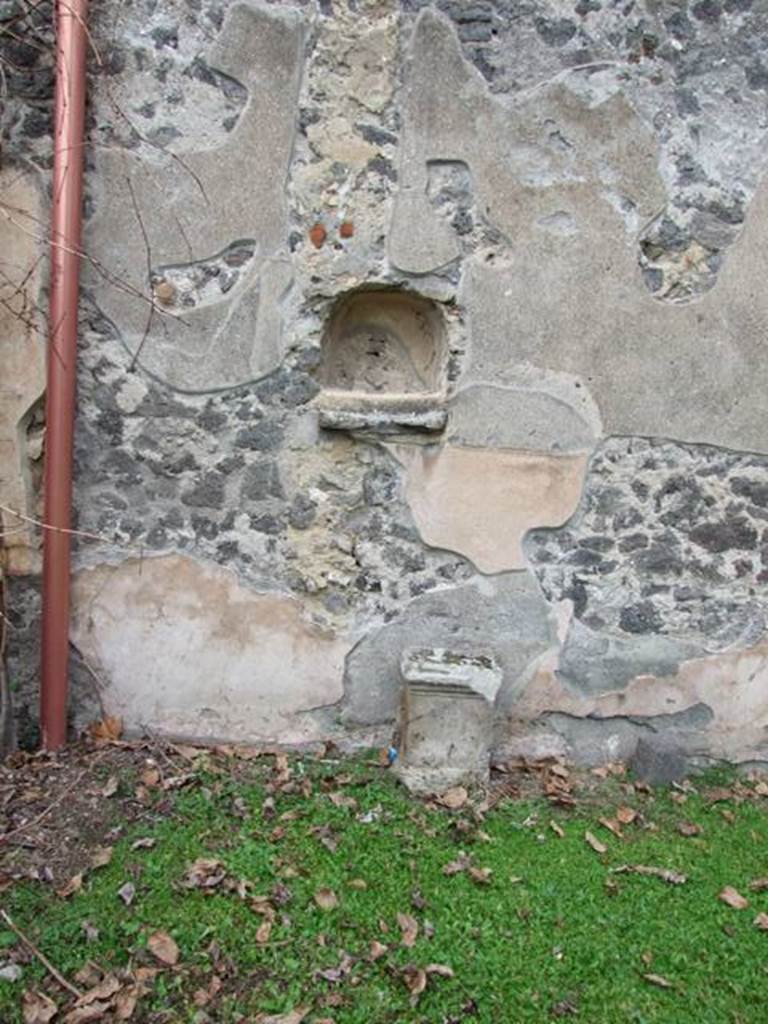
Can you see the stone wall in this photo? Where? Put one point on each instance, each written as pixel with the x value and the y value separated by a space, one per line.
pixel 537 433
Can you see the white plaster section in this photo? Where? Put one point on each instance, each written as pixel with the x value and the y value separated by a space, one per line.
pixel 22 355
pixel 481 502
pixel 184 648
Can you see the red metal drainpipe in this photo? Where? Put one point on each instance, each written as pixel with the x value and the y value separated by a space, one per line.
pixel 66 230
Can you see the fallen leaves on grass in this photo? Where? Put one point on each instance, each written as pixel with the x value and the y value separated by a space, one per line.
pixel 595 843
pixel 761 921
pixel 557 830
pixel 759 884
pixel 326 899
pixel 37 1008
pixel 658 980
pixel 733 898
pixel 101 856
pixel 75 884
pixel 110 786
pixel 665 874
pixel 204 873
pixel 376 950
pixel 689 828
pixel 415 978
pixel 409 928
pixel 453 798
pixel 292 1017
pixel 127 893
pixel 454 867
pixel 163 948
pixel 145 843
pixel 480 875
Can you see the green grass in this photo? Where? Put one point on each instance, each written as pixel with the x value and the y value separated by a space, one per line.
pixel 518 948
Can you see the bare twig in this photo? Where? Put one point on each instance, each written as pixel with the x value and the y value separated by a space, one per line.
pixel 58 529
pixel 53 804
pixel 148 255
pixel 40 956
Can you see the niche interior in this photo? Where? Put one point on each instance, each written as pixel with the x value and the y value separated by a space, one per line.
pixel 383 363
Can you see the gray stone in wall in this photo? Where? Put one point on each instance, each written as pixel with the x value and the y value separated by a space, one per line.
pixel 506 619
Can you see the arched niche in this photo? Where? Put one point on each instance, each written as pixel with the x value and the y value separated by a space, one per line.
pixel 383 363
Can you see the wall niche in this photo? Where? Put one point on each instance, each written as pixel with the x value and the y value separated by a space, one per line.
pixel 383 363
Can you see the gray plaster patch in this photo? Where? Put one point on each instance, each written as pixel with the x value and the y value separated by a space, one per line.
pixel 489 416
pixel 576 304
pixel 596 663
pixel 597 740
pixel 194 210
pixel 506 619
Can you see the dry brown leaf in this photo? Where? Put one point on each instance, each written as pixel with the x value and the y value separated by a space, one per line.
pixel 561 770
pixel 415 981
pixel 126 1001
pixel 441 970
pixel 102 855
pixel 326 899
pixel 37 1008
pixel 595 843
pixel 358 883
pixel 292 1017
pixel 101 992
pixel 454 867
pixel 127 893
pixel 759 884
pixel 665 874
pixel 612 825
pixel 264 931
pixel 376 950
pixel 340 799
pixel 86 1014
pixel 761 921
pixel 150 777
pixel 75 884
pixel 453 798
pixel 688 829
pixel 110 786
pixel 556 829
pixel 733 898
pixel 480 875
pixel 658 980
pixel 204 873
pixel 110 728
pixel 88 975
pixel 626 815
pixel 715 796
pixel 163 948
pixel 761 788
pixel 409 927
pixel 143 844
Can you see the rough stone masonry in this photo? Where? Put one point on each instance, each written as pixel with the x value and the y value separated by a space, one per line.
pixel 406 325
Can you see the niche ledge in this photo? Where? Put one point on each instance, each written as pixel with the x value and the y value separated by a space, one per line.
pixel 381 414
